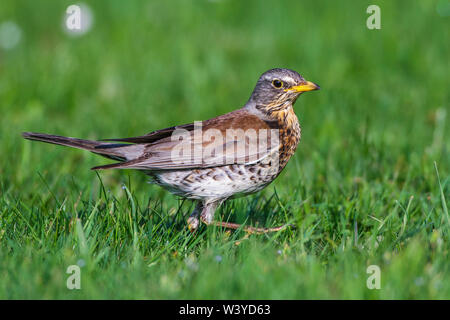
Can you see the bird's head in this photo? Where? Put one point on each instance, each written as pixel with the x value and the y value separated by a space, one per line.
pixel 277 89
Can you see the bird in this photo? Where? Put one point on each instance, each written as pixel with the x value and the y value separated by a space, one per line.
pixel 211 161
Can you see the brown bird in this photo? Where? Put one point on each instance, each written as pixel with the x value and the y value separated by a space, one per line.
pixel 210 161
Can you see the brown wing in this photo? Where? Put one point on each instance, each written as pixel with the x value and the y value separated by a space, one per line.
pixel 238 137
pixel 154 135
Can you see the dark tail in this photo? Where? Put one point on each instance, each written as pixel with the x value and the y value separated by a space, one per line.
pixel 116 151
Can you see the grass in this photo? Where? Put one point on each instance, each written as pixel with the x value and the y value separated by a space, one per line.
pixel 368 185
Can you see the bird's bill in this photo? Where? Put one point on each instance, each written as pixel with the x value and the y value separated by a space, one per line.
pixel 308 86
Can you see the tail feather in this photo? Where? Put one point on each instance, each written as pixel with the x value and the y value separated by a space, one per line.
pixel 116 151
pixel 63 141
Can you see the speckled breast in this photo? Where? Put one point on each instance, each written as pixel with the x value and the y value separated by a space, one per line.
pixel 231 180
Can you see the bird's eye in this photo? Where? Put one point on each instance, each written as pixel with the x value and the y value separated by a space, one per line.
pixel 277 83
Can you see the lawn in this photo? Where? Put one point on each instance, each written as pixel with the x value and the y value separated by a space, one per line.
pixel 369 183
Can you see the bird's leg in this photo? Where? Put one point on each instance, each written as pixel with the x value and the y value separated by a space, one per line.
pixel 193 220
pixel 207 216
pixel 209 208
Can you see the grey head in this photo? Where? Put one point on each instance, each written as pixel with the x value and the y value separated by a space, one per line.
pixel 279 87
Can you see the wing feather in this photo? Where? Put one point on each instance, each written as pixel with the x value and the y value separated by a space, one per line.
pixel 234 138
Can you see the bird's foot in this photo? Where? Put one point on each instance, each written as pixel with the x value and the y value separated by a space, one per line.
pixel 193 223
pixel 204 212
pixel 248 229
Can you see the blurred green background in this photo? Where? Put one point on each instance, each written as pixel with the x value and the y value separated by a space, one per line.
pixel 362 187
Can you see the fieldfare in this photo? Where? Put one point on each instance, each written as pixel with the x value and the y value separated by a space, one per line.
pixel 210 161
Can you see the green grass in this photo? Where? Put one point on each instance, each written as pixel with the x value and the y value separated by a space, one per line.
pixel 362 188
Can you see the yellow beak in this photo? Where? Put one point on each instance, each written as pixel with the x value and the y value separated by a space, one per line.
pixel 308 86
